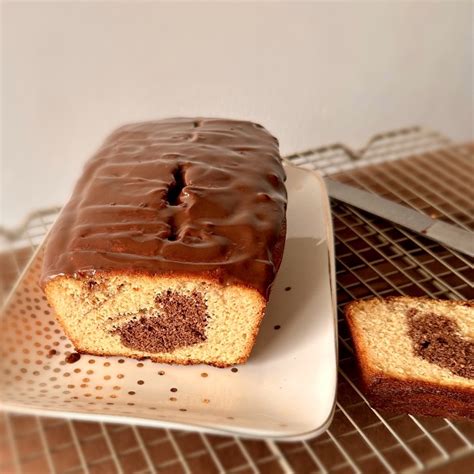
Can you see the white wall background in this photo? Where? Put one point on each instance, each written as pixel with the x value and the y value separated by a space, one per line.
pixel 312 73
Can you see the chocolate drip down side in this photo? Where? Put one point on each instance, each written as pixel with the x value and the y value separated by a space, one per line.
pixel 191 196
pixel 438 340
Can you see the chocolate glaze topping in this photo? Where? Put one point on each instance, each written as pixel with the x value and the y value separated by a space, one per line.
pixel 437 339
pixel 182 195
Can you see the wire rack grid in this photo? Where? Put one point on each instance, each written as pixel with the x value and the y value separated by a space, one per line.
pixel 419 168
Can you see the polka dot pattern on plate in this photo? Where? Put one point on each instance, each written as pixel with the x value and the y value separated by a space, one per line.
pixel 40 369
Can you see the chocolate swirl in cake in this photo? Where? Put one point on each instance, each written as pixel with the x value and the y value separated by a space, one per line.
pixel 189 196
pixel 437 339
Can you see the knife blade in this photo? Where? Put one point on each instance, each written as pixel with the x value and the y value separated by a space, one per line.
pixel 447 234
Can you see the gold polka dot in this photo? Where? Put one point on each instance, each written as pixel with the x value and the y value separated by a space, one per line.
pixel 106 364
pixel 161 372
pixel 206 400
pixel 140 364
pixel 120 376
pixel 90 372
pixel 204 375
pixel 116 387
pixel 131 392
pixel 140 382
pixel 91 361
pixel 173 399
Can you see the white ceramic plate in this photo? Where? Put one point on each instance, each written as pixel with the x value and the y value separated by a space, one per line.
pixel 285 391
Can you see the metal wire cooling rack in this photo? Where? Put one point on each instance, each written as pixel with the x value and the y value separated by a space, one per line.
pixel 416 167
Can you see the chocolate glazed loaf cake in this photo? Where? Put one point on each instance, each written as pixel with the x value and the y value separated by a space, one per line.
pixel 170 242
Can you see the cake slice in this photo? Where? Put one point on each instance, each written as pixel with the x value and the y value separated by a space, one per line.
pixel 170 242
pixel 416 355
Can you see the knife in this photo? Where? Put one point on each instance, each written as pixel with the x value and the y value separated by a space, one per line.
pixel 442 232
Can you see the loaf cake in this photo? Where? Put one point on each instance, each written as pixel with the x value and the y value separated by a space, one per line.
pixel 416 355
pixel 170 242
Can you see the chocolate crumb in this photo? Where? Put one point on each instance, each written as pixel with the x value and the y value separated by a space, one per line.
pixel 173 389
pixel 288 288
pixel 73 357
pixel 277 327
pixel 438 340
pixel 234 369
pixel 52 352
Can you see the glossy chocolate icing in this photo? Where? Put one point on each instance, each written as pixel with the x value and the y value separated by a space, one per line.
pixel 189 196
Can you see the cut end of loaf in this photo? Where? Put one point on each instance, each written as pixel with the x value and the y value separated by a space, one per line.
pixel 182 320
pixel 416 355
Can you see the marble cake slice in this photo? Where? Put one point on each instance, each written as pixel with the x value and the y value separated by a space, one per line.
pixel 416 355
